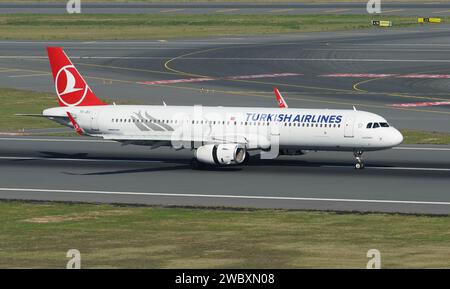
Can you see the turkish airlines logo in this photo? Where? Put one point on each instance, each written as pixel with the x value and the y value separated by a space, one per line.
pixel 70 87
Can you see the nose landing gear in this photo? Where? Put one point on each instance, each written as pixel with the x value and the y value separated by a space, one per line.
pixel 359 162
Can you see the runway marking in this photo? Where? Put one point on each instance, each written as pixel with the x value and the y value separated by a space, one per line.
pixel 337 10
pixel 373 75
pixel 420 104
pixel 419 149
pixel 262 75
pixel 281 10
pixel 359 75
pixel 172 81
pixel 54 140
pixel 391 11
pixel 97 160
pixel 424 76
pixel 397 168
pixel 171 10
pixel 377 49
pixel 226 10
pixel 109 141
pixel 222 196
pixel 30 75
pixel 402 44
pixel 76 160
pixel 442 11
pixel 238 58
pixel 201 79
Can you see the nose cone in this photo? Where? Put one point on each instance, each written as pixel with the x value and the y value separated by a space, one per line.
pixel 396 137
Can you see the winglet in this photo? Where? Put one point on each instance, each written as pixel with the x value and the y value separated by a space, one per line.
pixel 77 128
pixel 280 99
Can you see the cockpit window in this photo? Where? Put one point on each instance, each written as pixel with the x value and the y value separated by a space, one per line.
pixel 384 124
pixel 369 125
pixel 376 125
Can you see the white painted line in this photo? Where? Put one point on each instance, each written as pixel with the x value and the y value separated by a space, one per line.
pixel 226 10
pixel 402 44
pixel 421 104
pixel 358 75
pixel 410 169
pixel 76 160
pixel 30 75
pixel 337 10
pixel 172 81
pixel 241 59
pixel 171 10
pixel 109 141
pixel 391 11
pixel 151 161
pixel 280 198
pixel 54 140
pixel 262 76
pixel 425 76
pixel 421 149
pixel 281 10
pixel 397 168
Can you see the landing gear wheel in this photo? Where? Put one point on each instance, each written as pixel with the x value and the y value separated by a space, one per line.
pixel 196 165
pixel 247 158
pixel 359 166
pixel 359 162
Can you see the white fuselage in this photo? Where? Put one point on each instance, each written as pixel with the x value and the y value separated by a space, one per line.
pixel 258 128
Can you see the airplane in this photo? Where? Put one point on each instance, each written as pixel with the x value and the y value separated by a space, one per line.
pixel 219 136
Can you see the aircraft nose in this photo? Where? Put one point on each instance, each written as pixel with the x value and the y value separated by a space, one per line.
pixel 396 137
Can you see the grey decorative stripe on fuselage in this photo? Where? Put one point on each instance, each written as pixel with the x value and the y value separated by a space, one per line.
pixel 163 125
pixel 149 123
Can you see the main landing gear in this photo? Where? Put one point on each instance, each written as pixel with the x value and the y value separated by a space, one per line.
pixel 359 162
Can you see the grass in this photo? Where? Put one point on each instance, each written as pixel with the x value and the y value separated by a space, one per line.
pixel 412 136
pixel 145 26
pixel 16 101
pixel 39 235
pixel 22 101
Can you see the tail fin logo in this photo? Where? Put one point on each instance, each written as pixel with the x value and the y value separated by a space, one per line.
pixel 70 87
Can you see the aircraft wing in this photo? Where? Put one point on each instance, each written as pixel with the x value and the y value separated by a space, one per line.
pixel 250 141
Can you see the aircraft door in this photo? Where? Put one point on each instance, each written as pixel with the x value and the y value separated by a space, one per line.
pixel 349 126
pixel 94 120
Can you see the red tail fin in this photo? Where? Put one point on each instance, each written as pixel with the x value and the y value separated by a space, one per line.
pixel 70 86
pixel 281 102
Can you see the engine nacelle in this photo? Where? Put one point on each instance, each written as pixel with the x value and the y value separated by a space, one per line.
pixel 221 154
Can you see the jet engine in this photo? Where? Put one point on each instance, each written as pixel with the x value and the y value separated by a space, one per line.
pixel 221 154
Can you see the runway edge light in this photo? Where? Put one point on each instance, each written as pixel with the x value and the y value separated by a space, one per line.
pixel 429 20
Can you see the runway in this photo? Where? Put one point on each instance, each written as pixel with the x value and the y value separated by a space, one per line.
pixel 388 72
pixel 434 8
pixel 411 179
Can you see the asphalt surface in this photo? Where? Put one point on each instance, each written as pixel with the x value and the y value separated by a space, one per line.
pixel 410 179
pixel 424 9
pixel 243 72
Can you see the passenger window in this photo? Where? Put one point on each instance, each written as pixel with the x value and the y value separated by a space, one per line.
pixel 369 125
pixel 376 125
